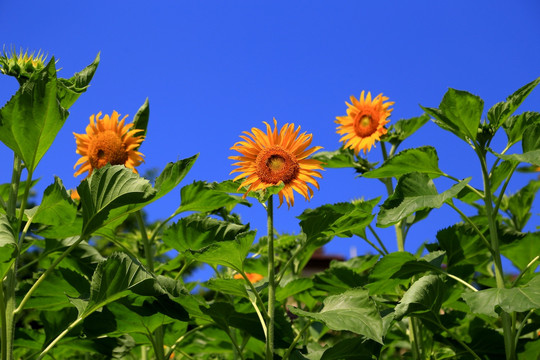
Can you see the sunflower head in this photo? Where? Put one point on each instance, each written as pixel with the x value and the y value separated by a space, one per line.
pixel 21 65
pixel 364 123
pixel 108 140
pixel 276 157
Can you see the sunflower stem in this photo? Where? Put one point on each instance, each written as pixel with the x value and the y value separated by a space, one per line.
pixel 271 280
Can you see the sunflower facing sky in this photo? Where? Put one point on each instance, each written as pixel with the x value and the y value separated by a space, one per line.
pixel 364 123
pixel 273 157
pixel 108 140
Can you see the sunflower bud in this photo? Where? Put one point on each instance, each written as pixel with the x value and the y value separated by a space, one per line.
pixel 21 66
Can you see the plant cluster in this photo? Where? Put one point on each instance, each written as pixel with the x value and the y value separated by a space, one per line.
pixel 84 276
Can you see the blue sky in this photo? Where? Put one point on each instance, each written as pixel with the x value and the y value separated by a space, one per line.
pixel 213 69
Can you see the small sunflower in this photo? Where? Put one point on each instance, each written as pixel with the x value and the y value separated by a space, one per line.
pixel 364 123
pixel 21 65
pixel 274 157
pixel 108 140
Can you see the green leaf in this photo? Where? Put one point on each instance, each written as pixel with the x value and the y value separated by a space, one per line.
pixel 56 207
pixel 341 158
pixel 522 251
pixel 233 287
pixel 115 278
pixel 292 288
pixel 352 310
pixel 69 90
pixel 194 232
pixel 31 119
pixel 424 296
pixel 518 206
pixel 336 280
pixel 531 157
pixel 531 138
pixel 140 120
pixel 353 349
pixel 500 112
pixel 6 188
pixel 422 160
pixel 380 278
pixel 515 125
pixel 8 244
pixel 462 246
pixel 518 299
pixel 108 188
pixel 414 192
pixel 459 112
pixel 230 253
pixel 404 128
pixel 202 196
pixel 54 322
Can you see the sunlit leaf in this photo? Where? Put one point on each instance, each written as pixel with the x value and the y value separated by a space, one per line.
pixel 404 128
pixel 292 288
pixel 380 278
pixel 202 196
pixel 233 287
pixel 518 205
pixel 459 112
pixel 531 157
pixel 422 160
pixel 140 120
pixel 518 299
pixel 31 119
pixel 515 125
pixel 230 253
pixel 531 138
pixel 352 310
pixel 56 207
pixel 522 251
pixel 108 188
pixel 500 112
pixel 414 192
pixel 196 231
pixel 341 158
pixel 424 296
pixel 69 90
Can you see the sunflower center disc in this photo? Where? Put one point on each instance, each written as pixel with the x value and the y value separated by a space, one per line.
pixel 107 147
pixel 275 164
pixel 364 125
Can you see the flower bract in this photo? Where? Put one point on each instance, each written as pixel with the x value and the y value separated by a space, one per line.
pixel 108 140
pixel 276 157
pixel 364 123
pixel 21 65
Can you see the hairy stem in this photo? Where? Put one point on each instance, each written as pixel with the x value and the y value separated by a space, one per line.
pixel 271 280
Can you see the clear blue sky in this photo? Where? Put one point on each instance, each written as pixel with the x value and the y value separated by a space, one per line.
pixel 212 69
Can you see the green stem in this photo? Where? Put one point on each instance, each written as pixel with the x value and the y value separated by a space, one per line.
pixel 413 338
pixel 465 346
pixel 45 274
pixel 271 280
pixel 499 275
pixel 181 338
pixel 503 189
pixel 467 185
pixel 27 187
pixel 187 263
pixel 235 344
pixel 14 190
pixel 467 219
pixel 521 326
pixel 296 339
pixel 3 321
pixel 531 263
pixel 378 239
pixel 59 337
pixel 148 254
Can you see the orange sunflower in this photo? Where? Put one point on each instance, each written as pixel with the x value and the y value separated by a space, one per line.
pixel 252 277
pixel 108 140
pixel 364 123
pixel 273 157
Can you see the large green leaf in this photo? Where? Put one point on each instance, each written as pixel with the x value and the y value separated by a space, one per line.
pixel 202 196
pixel 352 310
pixel 522 251
pixel 108 188
pixel 531 157
pixel 518 299
pixel 515 125
pixel 231 253
pixel 424 296
pixel 459 112
pixel 422 160
pixel 500 112
pixel 196 231
pixel 115 278
pixel 462 246
pixel 404 128
pixel 56 207
pixel 380 278
pixel 293 287
pixel 69 90
pixel 31 119
pixel 414 192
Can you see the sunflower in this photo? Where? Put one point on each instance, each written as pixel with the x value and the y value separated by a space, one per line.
pixel 21 65
pixel 274 157
pixel 364 123
pixel 108 140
